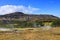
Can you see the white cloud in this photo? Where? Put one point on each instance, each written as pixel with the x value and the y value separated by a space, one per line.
pixel 12 8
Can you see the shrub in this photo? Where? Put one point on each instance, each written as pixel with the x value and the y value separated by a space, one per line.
pixel 56 23
pixel 39 23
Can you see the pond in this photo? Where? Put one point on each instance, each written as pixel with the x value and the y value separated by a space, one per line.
pixel 5 29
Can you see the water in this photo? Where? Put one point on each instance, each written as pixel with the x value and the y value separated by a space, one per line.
pixel 5 29
pixel 46 27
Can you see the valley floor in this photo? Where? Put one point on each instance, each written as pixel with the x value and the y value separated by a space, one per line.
pixel 32 34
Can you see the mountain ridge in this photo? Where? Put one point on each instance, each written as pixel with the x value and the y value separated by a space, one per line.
pixel 21 15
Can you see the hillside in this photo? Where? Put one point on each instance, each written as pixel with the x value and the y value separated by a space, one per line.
pixel 21 16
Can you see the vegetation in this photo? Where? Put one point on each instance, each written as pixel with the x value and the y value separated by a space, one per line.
pixel 56 23
pixel 39 23
pixel 35 34
pixel 25 24
pixel 19 24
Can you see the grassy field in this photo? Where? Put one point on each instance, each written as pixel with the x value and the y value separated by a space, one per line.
pixel 32 34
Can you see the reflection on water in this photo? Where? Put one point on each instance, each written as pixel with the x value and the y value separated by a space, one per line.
pixel 46 27
pixel 5 29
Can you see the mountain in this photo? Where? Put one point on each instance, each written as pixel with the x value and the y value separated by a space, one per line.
pixel 25 17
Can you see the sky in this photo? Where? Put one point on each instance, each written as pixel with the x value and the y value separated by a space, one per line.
pixel 51 7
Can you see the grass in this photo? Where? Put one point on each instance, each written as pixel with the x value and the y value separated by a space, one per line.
pixel 35 34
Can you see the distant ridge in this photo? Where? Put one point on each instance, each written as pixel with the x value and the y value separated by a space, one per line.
pixel 22 16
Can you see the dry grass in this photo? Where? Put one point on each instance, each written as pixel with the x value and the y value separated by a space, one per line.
pixel 36 34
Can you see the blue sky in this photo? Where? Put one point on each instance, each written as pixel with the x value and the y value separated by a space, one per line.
pixel 51 7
